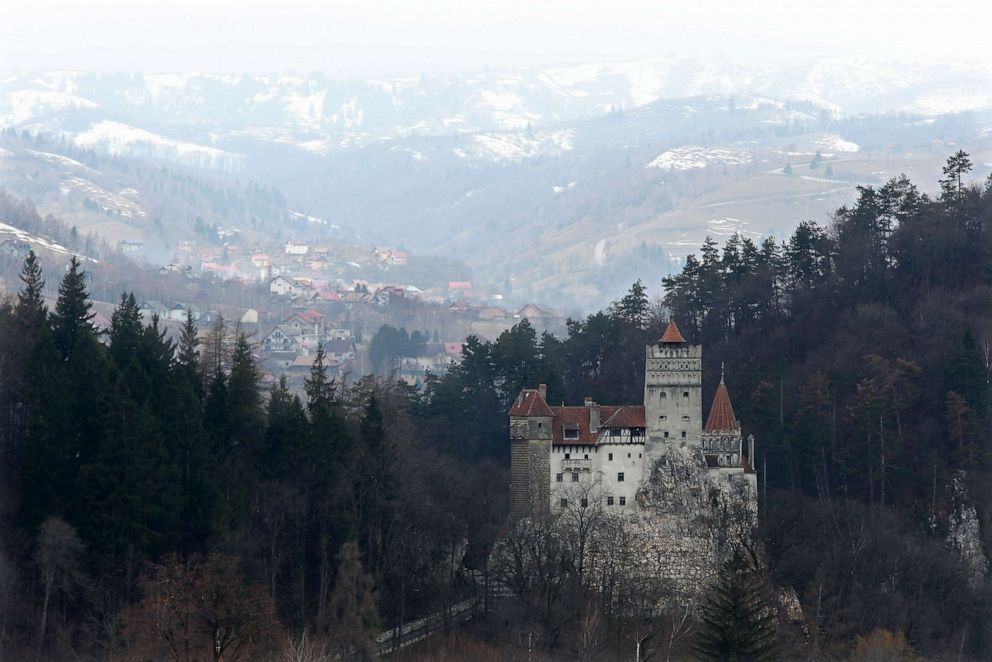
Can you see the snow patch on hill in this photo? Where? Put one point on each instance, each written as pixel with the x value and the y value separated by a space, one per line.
pixel 38 240
pixel 58 159
pixel 835 143
pixel 694 156
pixel 120 139
pixel 509 147
pixel 30 103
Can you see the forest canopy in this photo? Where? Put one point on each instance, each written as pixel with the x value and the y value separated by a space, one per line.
pixel 857 353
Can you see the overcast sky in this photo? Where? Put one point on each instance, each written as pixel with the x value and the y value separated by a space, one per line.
pixel 361 38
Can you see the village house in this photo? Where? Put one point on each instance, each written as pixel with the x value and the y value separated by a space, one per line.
pixel 179 310
pixel 150 308
pixel 284 287
pixel 294 248
pixel 130 246
pixel 282 340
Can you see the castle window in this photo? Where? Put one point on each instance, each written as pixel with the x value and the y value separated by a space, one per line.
pixel 567 455
pixel 572 433
pixel 559 478
pixel 685 418
pixel 638 456
pixel 539 425
pixel 664 395
pixel 683 434
pixel 584 503
pixel 564 503
pixel 664 418
pixel 611 457
pixel 620 477
pixel 586 456
pixel 666 434
pixel 685 394
pixel 628 454
pixel 609 501
pixel 623 501
pixel 575 476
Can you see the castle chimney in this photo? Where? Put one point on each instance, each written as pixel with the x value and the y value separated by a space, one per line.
pixel 593 415
pixel 543 390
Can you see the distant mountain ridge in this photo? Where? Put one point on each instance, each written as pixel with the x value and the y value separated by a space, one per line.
pixel 321 114
pixel 564 183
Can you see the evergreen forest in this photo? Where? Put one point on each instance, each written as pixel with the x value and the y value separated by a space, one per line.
pixel 158 502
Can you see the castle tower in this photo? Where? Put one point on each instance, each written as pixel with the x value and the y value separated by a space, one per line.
pixel 531 421
pixel 721 441
pixel 673 394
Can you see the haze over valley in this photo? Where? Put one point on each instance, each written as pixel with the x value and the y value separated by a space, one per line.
pixel 588 175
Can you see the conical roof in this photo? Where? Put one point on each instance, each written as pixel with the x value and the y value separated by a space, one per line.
pixel 672 334
pixel 721 418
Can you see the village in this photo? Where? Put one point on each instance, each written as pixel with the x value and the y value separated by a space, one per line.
pixel 303 295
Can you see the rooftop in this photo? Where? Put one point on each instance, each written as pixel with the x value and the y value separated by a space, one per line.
pixel 672 334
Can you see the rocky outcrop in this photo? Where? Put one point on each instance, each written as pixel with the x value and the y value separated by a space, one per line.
pixel 964 532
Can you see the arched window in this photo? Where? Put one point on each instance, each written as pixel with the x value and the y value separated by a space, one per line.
pixel 685 394
pixel 664 396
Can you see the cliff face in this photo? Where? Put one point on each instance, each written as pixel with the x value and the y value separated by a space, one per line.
pixel 690 520
pixel 964 533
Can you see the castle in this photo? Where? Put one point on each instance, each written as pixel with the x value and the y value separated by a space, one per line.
pixel 613 453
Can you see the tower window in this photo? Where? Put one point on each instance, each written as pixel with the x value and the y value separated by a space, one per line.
pixel 564 503
pixel 609 501
pixel 586 456
pixel 620 477
pixel 575 476
pixel 623 501
pixel 683 434
pixel 611 457
pixel 685 418
pixel 663 418
pixel 666 434
pixel 664 395
pixel 584 503
pixel 567 455
pixel 558 478
pixel 685 394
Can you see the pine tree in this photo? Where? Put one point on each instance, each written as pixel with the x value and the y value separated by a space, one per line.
pixel 72 317
pixel 633 307
pixel 319 388
pixel 285 434
pixel 375 486
pixel 125 331
pixel 736 621
pixel 189 345
pixel 30 308
pixel 952 185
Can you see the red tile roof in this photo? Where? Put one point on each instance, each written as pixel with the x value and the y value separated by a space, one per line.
pixel 672 334
pixel 530 403
pixel 721 418
pixel 610 416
